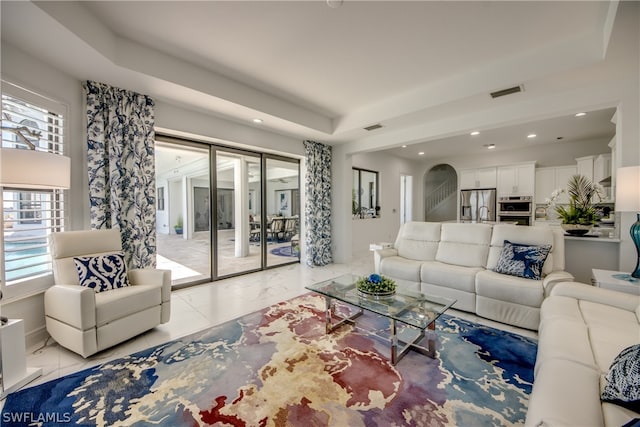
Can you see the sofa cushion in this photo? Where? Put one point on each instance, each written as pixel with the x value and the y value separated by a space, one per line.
pixel 623 379
pixel 102 272
pixel 451 276
pixel 502 287
pixel 464 244
pixel 565 393
pixel 122 302
pixel 418 240
pixel 522 260
pixel 563 338
pixel 398 267
pixel 611 329
pixel 528 236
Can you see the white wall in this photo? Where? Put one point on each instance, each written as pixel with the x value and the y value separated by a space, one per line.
pixel 384 228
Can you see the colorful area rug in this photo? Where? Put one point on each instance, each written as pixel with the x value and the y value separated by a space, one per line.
pixel 277 367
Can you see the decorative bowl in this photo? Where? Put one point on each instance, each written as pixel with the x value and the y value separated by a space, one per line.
pixel 376 285
pixel 576 229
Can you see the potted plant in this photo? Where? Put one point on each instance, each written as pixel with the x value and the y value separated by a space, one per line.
pixel 178 226
pixel 580 215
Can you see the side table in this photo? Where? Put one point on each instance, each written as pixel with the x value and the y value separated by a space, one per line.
pixel 606 279
pixel 379 246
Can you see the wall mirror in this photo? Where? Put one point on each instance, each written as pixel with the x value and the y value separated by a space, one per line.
pixel 364 194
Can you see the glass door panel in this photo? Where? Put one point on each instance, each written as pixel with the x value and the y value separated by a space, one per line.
pixel 282 202
pixel 183 218
pixel 237 213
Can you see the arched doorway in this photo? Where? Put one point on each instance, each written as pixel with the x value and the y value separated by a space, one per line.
pixel 440 193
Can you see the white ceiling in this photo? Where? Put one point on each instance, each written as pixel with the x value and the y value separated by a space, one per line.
pixel 315 72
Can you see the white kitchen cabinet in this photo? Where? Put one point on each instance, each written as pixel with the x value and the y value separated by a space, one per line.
pixel 545 183
pixel 563 175
pixel 550 179
pixel 601 167
pixel 516 180
pixel 585 166
pixel 478 178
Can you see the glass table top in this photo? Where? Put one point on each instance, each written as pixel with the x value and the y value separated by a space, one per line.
pixel 407 306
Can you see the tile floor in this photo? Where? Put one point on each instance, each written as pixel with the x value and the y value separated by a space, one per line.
pixel 200 307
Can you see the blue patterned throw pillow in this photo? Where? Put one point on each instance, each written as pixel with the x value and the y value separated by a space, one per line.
pixel 623 379
pixel 521 260
pixel 102 272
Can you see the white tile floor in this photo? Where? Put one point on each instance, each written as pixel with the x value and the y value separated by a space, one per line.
pixel 200 307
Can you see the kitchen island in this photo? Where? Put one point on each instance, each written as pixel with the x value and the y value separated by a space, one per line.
pixel 582 253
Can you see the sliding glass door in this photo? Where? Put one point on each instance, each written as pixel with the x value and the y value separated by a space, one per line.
pixel 223 212
pixel 183 211
pixel 237 212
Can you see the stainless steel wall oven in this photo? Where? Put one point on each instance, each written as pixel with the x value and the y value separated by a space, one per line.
pixel 516 209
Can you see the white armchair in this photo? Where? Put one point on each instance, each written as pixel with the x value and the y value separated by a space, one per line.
pixel 85 321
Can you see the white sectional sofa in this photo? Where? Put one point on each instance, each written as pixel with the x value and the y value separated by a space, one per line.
pixel 456 260
pixel 582 330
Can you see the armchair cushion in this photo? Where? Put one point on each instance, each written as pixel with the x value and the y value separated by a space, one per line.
pixel 119 303
pixel 102 272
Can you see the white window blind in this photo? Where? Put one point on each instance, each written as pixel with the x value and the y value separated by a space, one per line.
pixel 29 121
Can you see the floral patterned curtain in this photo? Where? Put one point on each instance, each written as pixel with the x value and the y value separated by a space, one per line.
pixel 318 203
pixel 121 164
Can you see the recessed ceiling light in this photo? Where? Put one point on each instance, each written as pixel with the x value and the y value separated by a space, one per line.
pixel 257 121
pixel 581 114
pixel 474 133
pixel 531 135
pixel 421 153
pixel 404 146
pixel 490 146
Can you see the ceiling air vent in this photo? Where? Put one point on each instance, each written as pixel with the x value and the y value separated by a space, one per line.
pixel 507 91
pixel 373 127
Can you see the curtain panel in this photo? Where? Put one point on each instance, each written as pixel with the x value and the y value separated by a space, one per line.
pixel 121 166
pixel 318 204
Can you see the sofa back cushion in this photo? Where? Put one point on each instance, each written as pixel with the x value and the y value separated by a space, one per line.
pixel 418 240
pixel 464 244
pixel 537 236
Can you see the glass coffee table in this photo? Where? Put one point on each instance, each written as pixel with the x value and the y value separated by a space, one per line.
pixel 414 310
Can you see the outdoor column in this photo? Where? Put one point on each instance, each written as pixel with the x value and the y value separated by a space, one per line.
pixel 241 211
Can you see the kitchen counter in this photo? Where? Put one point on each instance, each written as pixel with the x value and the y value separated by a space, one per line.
pixel 592 238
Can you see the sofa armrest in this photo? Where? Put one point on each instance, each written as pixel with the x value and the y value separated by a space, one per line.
pixel 151 276
pixel 550 280
pixel 591 293
pixel 71 304
pixel 379 254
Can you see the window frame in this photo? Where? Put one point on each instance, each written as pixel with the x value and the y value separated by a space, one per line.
pixel 56 200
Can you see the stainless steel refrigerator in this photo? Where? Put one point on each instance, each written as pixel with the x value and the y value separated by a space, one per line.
pixel 478 205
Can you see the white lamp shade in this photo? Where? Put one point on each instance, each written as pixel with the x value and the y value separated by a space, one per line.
pixel 628 189
pixel 34 169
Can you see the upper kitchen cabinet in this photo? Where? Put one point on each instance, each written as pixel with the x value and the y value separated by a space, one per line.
pixel 585 166
pixel 516 180
pixel 478 178
pixel 598 170
pixel 550 179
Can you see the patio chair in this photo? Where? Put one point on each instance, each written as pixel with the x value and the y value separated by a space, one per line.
pixel 276 228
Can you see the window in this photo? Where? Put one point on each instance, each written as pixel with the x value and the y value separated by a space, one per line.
pixel 364 196
pixel 29 121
